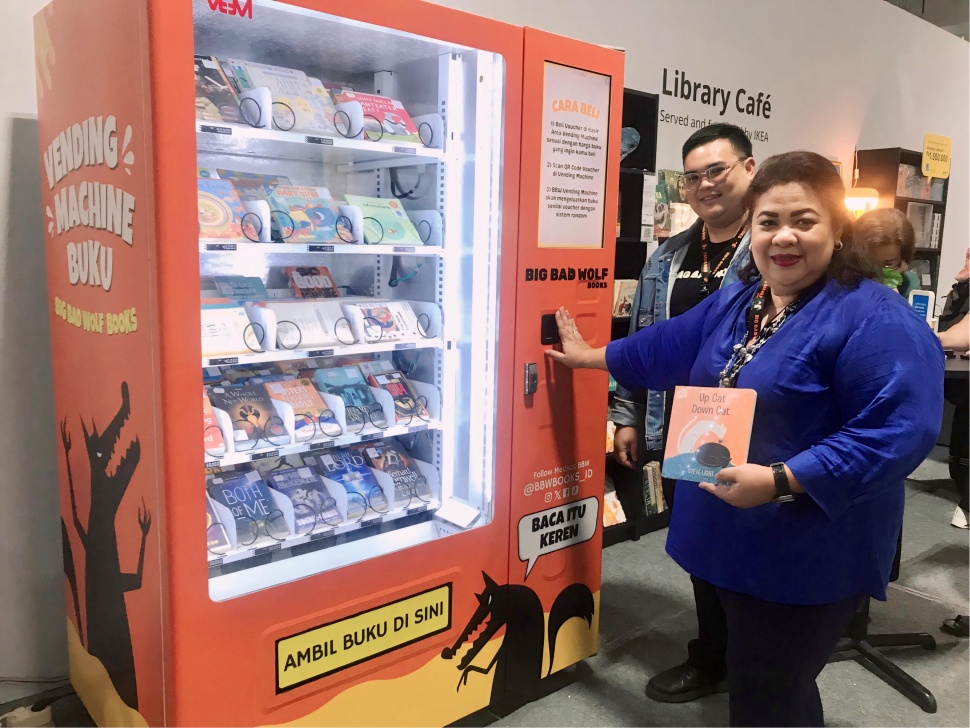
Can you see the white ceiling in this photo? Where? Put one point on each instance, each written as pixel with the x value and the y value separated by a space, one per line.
pixel 951 15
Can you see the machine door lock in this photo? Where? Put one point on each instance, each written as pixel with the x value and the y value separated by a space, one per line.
pixel 531 378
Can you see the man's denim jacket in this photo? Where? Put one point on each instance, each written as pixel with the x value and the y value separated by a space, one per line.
pixel 650 306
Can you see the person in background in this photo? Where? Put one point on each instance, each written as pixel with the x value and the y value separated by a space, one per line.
pixel 685 270
pixel 795 538
pixel 954 325
pixel 888 234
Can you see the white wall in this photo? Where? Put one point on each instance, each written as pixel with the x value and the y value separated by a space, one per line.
pixel 841 74
pixel 32 636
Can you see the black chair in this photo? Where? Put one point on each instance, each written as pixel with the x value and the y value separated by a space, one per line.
pixel 866 647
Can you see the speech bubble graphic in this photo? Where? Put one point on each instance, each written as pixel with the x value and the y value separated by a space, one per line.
pixel 556 528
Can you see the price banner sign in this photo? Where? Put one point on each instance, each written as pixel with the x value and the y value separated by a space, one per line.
pixel 937 151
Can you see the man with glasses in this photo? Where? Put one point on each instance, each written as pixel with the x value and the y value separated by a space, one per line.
pixel 718 167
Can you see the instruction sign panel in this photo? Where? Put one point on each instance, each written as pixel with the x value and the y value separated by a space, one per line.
pixel 575 132
pixel 323 650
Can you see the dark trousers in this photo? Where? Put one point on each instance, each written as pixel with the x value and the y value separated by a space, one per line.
pixel 775 652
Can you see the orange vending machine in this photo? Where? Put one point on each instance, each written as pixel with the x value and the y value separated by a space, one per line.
pixel 301 262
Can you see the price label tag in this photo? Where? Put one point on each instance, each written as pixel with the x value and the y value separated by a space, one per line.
pixel 320 248
pixel 403 248
pixel 417 509
pixel 212 464
pixel 371 522
pixel 405 150
pixel 267 454
pixel 324 445
pixel 220 246
pixel 406 346
pixel 215 562
pixel 208 129
pixel 369 438
pixel 319 140
pixel 268 549
pixel 937 152
pixel 319 352
pixel 223 362
pixel 321 535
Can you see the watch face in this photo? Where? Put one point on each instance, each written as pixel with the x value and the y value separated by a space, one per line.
pixel 713 455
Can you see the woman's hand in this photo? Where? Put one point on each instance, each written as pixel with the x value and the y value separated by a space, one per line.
pixel 576 353
pixel 747 486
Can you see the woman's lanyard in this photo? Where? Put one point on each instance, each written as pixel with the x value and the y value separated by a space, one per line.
pixel 706 272
pixel 754 335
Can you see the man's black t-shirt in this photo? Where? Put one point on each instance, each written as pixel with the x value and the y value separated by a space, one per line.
pixel 686 291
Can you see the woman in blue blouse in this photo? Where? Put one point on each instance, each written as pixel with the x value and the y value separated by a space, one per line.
pixel 843 415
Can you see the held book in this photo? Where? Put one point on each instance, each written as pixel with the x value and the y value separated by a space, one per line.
pixel 710 429
pixel 385 221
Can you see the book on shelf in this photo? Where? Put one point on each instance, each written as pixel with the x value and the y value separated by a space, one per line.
pixel 406 404
pixel 385 221
pixel 241 288
pixel 246 496
pixel 217 540
pixel 304 324
pixel 311 282
pixel 220 209
pixel 652 486
pixel 390 457
pixel 624 292
pixel 349 468
pixel 613 513
pixel 226 330
pixel 252 413
pixel 297 104
pixel 920 216
pixel 215 97
pixel 375 367
pixel 314 215
pixel 312 416
pixel 384 118
pixel 304 487
pixel 215 444
pixel 348 383
pixel 385 320
pixel 242 374
pixel 252 187
pixel 710 429
pixel 356 503
pixel 935 231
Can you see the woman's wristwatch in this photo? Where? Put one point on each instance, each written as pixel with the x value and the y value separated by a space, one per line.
pixel 783 492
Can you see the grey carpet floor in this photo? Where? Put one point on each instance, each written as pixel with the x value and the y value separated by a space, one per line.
pixel 647 618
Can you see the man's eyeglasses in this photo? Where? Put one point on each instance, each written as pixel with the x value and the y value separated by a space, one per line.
pixel 715 173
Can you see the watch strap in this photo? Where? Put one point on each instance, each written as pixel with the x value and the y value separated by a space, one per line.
pixel 783 492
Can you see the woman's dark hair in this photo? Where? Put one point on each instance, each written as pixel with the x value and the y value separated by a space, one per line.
pixel 852 263
pixel 886 225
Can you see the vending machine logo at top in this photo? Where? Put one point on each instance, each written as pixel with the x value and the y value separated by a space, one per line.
pixel 243 9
